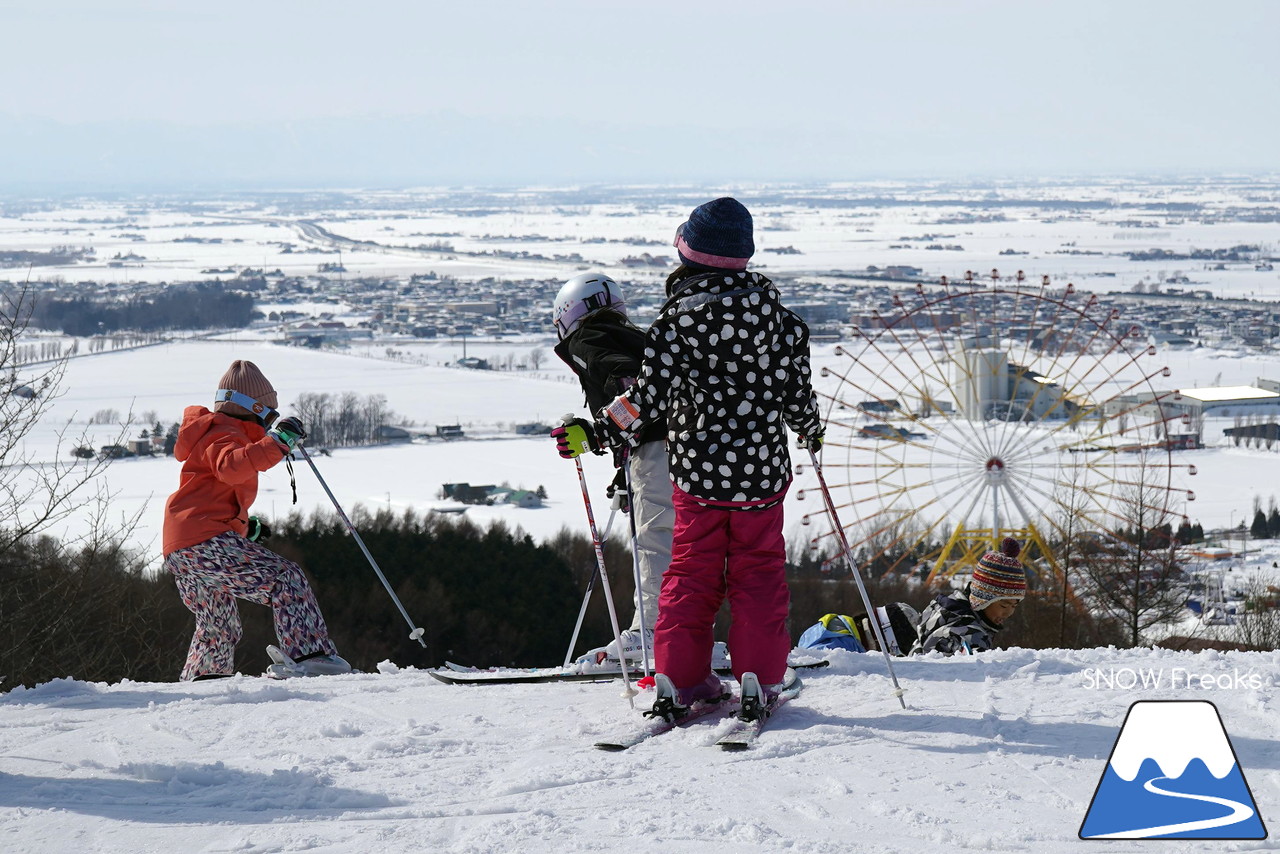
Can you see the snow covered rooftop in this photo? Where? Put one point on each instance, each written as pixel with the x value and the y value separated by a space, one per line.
pixel 1229 392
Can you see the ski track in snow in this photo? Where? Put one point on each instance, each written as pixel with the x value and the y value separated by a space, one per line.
pixel 998 752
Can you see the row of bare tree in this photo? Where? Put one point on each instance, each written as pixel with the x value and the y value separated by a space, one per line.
pixel 343 419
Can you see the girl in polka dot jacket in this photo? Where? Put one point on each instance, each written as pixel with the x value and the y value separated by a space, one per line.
pixel 727 366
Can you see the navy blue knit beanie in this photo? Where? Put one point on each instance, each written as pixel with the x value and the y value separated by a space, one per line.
pixel 717 235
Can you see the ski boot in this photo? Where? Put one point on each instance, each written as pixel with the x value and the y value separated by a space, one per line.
pixel 755 700
pixel 672 704
pixel 316 664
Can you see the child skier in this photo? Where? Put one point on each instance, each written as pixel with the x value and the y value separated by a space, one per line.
pixel 726 365
pixel 214 548
pixel 604 349
pixel 968 622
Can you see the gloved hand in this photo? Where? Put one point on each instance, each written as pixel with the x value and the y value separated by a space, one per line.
pixel 811 443
pixel 288 432
pixel 575 437
pixel 619 488
pixel 258 530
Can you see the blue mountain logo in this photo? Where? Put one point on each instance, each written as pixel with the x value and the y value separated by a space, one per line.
pixel 1173 774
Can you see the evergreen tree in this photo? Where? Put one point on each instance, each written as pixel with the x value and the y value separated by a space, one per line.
pixel 1273 523
pixel 1258 530
pixel 1185 533
pixel 170 440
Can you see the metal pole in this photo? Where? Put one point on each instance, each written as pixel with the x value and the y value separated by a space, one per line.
pixel 586 597
pixel 417 632
pixel 857 576
pixel 627 690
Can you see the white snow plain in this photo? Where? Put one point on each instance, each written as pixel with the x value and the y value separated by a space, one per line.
pixel 997 752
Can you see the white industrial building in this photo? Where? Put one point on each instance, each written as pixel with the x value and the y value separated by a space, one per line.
pixel 1229 401
pixel 988 385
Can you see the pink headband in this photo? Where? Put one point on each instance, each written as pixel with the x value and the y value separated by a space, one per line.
pixel 720 261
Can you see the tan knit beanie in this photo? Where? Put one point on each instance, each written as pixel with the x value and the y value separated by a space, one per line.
pixel 245 377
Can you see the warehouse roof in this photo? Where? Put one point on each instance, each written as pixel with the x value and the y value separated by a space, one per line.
pixel 1226 393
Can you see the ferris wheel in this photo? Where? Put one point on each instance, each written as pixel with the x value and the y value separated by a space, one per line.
pixel 966 412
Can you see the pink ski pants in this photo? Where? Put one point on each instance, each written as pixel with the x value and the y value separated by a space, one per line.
pixel 717 553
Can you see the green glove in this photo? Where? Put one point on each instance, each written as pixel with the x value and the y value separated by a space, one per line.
pixel 575 437
pixel 258 530
pixel 288 432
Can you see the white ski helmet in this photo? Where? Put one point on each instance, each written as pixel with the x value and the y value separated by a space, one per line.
pixel 584 295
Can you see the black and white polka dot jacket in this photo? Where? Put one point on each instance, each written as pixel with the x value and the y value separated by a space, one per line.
pixel 727 365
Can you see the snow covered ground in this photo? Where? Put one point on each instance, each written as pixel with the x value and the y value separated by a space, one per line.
pixel 999 752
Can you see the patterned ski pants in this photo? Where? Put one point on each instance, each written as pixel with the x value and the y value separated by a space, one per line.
pixel 213 574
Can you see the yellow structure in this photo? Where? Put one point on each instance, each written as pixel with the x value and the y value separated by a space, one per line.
pixel 967 545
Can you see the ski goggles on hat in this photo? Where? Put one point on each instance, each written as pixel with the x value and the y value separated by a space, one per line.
pixel 226 395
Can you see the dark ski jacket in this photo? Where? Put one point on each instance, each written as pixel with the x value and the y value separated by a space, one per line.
pixel 727 365
pixel 605 352
pixel 950 625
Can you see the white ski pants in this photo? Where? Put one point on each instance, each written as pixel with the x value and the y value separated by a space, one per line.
pixel 655 516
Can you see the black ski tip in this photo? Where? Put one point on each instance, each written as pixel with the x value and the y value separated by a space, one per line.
pixel 734 746
pixel 610 747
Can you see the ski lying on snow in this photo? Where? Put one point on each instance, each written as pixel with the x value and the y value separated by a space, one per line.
pixel 456 674
pixel 697 711
pixel 744 733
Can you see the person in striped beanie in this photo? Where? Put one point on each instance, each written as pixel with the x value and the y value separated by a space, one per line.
pixel 969 621
pixel 999 582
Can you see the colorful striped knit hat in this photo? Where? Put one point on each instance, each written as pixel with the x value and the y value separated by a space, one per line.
pixel 999 575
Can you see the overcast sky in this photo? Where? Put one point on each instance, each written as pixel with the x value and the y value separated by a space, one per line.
pixel 282 93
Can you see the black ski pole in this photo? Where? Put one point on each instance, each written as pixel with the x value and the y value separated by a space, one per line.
pixel 417 632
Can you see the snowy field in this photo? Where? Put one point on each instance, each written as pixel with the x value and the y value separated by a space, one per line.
pixel 161 380
pixel 1001 752
pixel 1069 230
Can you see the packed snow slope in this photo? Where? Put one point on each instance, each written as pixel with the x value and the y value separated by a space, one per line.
pixel 999 752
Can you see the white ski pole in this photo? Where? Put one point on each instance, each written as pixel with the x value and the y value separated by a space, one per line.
pixel 635 563
pixel 627 690
pixel 586 597
pixel 857 576
pixel 417 632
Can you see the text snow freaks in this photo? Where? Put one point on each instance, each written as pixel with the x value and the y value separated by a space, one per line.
pixel 1174 678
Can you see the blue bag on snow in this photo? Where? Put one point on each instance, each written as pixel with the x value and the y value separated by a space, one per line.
pixel 833 631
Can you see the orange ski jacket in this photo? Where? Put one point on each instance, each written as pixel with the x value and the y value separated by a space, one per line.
pixel 221 457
